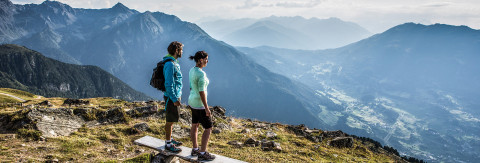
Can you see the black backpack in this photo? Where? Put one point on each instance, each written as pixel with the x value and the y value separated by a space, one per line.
pixel 158 80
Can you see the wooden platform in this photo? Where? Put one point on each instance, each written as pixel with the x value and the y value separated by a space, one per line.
pixel 159 145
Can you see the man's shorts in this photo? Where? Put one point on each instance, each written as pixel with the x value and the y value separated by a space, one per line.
pixel 172 113
pixel 200 116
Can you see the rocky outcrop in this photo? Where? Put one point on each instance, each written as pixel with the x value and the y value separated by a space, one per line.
pixel 115 115
pixel 75 102
pixel 141 127
pixel 219 111
pixel 341 142
pixel 235 143
pixel 55 122
pixel 46 103
pixel 143 111
pixel 302 130
pixel 251 142
pixel 270 135
pixel 333 134
pixel 271 146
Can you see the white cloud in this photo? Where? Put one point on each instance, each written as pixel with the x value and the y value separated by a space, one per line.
pixel 438 4
pixel 249 4
pixel 299 4
pixel 375 15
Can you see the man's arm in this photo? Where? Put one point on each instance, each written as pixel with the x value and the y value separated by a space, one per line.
pixel 168 72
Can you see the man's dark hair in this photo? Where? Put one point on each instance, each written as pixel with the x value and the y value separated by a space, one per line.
pixel 174 48
pixel 199 55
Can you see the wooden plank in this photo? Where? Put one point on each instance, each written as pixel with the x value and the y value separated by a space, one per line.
pixel 159 145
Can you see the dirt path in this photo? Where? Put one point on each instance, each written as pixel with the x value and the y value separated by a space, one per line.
pixel 15 97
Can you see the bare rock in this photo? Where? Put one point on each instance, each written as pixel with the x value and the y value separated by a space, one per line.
pixel 143 111
pixel 55 122
pixel 46 103
pixel 219 111
pixel 141 103
pixel 245 131
pixel 270 134
pixel 314 139
pixel 179 132
pixel 333 134
pixel 185 117
pixel 251 142
pixel 139 150
pixel 141 126
pixel 302 130
pixel 223 126
pixel 70 102
pixel 271 146
pixel 235 143
pixel 216 131
pixel 342 142
pixel 159 158
pixel 115 115
pixel 260 125
pixel 299 130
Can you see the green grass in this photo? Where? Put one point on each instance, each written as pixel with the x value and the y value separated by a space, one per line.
pixel 75 144
pixel 143 158
pixel 96 144
pixel 8 99
pixel 29 134
pixel 15 92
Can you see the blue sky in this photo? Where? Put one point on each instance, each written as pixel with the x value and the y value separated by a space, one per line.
pixel 375 15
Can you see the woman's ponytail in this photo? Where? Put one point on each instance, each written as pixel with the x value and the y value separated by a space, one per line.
pixel 199 55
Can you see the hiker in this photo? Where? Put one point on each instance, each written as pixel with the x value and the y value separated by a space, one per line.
pixel 197 101
pixel 173 93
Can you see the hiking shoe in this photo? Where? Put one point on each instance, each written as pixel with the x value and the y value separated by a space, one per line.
pixel 195 152
pixel 205 157
pixel 172 148
pixel 176 143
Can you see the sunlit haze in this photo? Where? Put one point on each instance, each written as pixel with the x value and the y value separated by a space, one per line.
pixel 374 15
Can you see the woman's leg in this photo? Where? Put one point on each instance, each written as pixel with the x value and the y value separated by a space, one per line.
pixel 193 134
pixel 205 137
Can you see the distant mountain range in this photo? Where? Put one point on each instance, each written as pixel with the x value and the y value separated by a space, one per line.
pixel 286 32
pixel 413 87
pixel 128 44
pixel 28 70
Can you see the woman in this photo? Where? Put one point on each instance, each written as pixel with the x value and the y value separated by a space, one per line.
pixel 198 103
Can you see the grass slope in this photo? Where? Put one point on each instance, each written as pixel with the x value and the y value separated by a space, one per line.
pixel 114 142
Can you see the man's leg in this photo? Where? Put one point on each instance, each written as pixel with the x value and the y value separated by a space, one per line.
pixel 168 130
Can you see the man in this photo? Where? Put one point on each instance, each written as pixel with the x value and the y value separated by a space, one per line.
pixel 173 92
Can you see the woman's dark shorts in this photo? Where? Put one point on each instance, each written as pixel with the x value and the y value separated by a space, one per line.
pixel 200 116
pixel 172 113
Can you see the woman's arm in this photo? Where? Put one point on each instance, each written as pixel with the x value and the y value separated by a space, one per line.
pixel 204 101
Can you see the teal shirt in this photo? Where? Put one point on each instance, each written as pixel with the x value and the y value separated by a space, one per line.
pixel 198 82
pixel 173 79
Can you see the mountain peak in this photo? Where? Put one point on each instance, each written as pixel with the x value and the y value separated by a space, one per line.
pixel 58 7
pixel 434 27
pixel 120 7
pixel 5 5
pixel 6 2
pixel 53 3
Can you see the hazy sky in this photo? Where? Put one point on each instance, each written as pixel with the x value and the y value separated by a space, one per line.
pixel 375 15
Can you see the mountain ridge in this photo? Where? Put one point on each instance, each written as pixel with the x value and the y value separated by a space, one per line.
pixel 118 45
pixel 310 34
pixel 123 122
pixel 28 70
pixel 412 87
